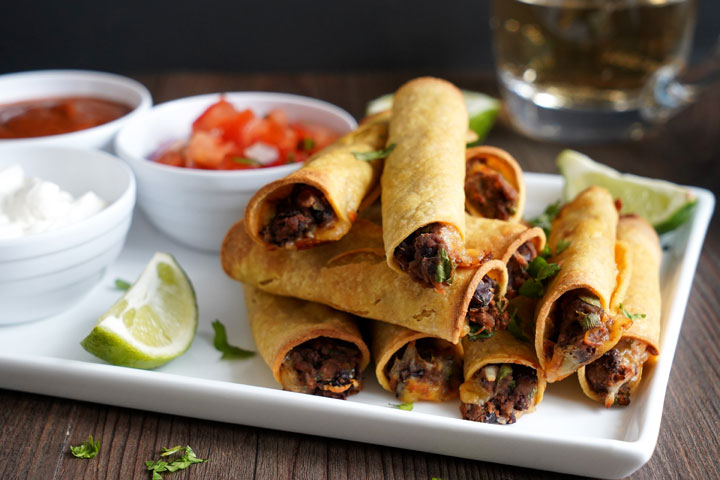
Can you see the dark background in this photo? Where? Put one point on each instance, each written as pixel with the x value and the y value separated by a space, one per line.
pixel 270 35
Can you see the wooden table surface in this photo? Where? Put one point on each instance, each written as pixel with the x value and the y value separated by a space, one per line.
pixel 36 431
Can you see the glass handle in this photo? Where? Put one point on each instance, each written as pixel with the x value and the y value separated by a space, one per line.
pixel 668 92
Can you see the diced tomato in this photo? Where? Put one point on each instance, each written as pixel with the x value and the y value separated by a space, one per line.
pixel 222 133
pixel 207 150
pixel 215 116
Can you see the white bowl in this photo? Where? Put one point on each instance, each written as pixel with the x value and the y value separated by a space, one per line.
pixel 17 87
pixel 47 273
pixel 197 207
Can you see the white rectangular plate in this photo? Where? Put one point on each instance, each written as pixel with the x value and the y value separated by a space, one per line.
pixel 568 432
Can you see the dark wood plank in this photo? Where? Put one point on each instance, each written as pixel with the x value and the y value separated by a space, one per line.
pixel 687 150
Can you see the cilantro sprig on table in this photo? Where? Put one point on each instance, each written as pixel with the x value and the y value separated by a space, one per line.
pixel 88 449
pixel 220 342
pixel 375 154
pixel 161 466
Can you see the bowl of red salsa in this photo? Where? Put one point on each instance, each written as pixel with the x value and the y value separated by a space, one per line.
pixel 67 107
pixel 198 160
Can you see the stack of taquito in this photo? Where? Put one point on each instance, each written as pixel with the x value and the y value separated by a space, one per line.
pixel 439 259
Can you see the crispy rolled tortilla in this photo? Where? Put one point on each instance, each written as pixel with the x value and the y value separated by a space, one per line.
pixel 422 182
pixel 494 186
pixel 510 242
pixel 319 202
pixel 351 275
pixel 310 348
pixel 503 379
pixel 574 322
pixel 415 366
pixel 613 378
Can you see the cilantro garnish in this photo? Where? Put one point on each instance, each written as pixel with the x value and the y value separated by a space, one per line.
pixel 545 219
pixel 229 352
pixel 188 458
pixel 87 449
pixel 308 144
pixel 444 271
pixel 478 332
pixel 121 284
pixel 590 300
pixel 631 316
pixel 246 161
pixel 374 155
pixel 515 328
pixel 590 320
pixel 407 406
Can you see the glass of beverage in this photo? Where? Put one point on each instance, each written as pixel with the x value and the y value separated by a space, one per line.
pixel 591 70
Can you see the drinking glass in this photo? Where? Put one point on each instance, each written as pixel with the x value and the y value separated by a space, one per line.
pixel 594 70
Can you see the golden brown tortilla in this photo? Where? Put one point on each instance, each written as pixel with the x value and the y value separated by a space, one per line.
pixel 499 238
pixel 344 180
pixel 387 339
pixel 280 324
pixel 501 348
pixel 422 181
pixel 642 295
pixel 505 164
pixel 351 275
pixel 589 223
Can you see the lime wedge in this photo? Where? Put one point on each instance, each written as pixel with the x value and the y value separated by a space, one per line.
pixel 665 205
pixel 154 322
pixel 482 110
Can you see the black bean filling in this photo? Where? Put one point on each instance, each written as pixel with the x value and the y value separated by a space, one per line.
pixel 297 216
pixel 517 268
pixel 327 367
pixel 488 191
pixel 421 254
pixel 511 395
pixel 484 310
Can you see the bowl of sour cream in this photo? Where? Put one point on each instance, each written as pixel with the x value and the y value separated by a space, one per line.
pixel 64 217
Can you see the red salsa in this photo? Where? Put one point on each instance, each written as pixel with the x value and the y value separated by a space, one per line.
pixel 53 116
pixel 225 138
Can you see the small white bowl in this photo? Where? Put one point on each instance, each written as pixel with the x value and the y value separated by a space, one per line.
pixel 18 87
pixel 47 273
pixel 197 207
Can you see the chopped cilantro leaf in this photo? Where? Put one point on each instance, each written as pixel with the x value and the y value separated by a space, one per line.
pixel 221 344
pixel 87 449
pixel 246 161
pixel 545 219
pixel 478 332
pixel 374 155
pixel 445 269
pixel 561 246
pixel 121 284
pixel 188 458
pixel 540 269
pixel 532 288
pixel 308 144
pixel 407 406
pixel 515 328
pixel 631 316
pixel 590 320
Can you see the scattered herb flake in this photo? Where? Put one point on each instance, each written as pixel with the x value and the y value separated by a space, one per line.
pixel 87 449
pixel 503 371
pixel 478 332
pixel 445 269
pixel 631 316
pixel 545 219
pixel 246 161
pixel 188 458
pixel 308 144
pixel 229 352
pixel 407 406
pixel 291 157
pixel 590 320
pixel 532 288
pixel 121 284
pixel 540 269
pixel 590 300
pixel 515 328
pixel 375 154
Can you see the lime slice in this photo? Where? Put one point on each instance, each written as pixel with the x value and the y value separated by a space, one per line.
pixel 665 205
pixel 482 109
pixel 154 322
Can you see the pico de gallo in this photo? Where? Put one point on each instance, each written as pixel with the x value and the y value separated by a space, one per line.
pixel 225 138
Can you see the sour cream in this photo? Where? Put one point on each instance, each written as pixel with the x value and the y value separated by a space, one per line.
pixel 30 205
